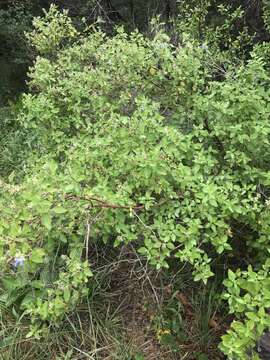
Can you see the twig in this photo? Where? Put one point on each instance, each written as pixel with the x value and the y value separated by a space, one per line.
pixel 102 203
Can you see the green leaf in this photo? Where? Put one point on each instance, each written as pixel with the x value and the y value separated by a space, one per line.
pixel 59 210
pixel 37 256
pixel 67 295
pixel 46 221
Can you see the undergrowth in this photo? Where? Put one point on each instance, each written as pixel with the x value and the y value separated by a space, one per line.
pixel 131 313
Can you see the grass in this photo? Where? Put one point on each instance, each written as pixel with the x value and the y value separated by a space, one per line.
pixel 92 332
pixel 132 313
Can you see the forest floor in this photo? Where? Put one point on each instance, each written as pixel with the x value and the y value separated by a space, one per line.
pixel 158 319
pixel 133 312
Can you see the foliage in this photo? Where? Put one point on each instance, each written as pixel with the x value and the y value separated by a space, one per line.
pixel 13 143
pixel 221 26
pixel 248 293
pixel 14 52
pixel 166 153
pixel 51 30
pixel 13 22
pixel 266 14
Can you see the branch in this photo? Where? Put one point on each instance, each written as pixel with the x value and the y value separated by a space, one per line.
pixel 103 204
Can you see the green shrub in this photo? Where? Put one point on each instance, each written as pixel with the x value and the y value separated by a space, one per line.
pixel 248 293
pixel 133 140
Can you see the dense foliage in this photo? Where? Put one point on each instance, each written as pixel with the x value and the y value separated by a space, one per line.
pixel 159 140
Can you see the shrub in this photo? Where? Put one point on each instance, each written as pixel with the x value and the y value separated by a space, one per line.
pixel 134 140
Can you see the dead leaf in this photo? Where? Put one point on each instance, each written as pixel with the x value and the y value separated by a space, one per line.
pixel 213 324
pixel 183 299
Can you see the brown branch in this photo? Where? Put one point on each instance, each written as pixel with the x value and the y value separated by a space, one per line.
pixel 103 204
